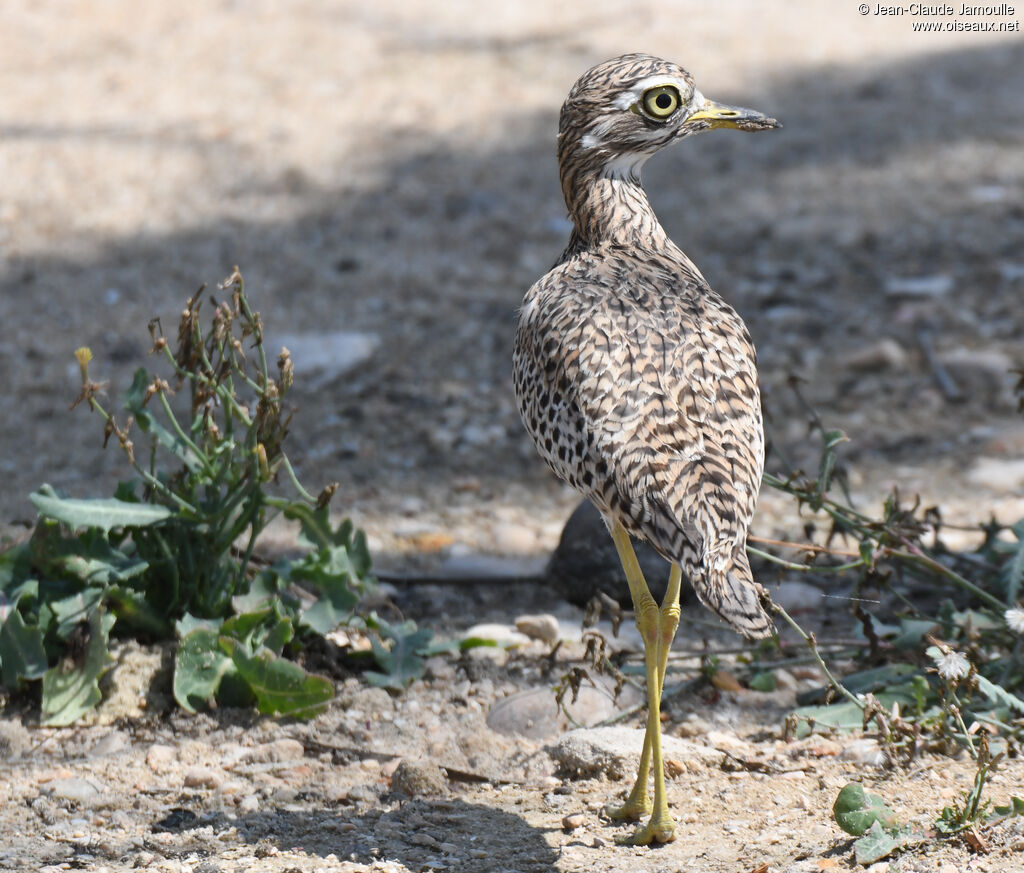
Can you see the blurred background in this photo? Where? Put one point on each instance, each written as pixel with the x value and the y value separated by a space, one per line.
pixel 384 176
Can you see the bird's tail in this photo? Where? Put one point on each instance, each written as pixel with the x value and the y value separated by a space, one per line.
pixel 732 594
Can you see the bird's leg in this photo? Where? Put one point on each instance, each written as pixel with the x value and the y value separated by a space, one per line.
pixel 657 627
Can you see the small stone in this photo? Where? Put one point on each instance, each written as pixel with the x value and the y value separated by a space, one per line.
pixel 424 839
pixel 75 790
pixel 449 848
pixel 919 286
pixel 249 804
pixel 945 868
pixel 202 777
pixel 615 751
pixel 419 779
pixel 727 741
pixel 439 668
pixel 161 758
pixel 784 680
pixel 322 357
pixel 111 744
pixel 796 597
pixel 863 752
pixel 284 749
pixel 881 355
pixel 477 854
pixel 1003 476
pixel 538 627
pixel 573 820
pixel 502 634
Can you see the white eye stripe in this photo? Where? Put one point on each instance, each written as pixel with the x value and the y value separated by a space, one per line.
pixel 634 94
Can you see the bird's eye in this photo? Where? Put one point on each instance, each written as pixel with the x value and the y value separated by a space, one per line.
pixel 660 102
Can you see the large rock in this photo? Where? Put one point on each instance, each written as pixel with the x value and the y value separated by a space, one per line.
pixel 586 562
pixel 615 752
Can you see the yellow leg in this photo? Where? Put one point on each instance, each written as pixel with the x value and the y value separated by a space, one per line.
pixel 657 628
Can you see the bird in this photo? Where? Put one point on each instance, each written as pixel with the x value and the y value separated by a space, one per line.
pixel 638 383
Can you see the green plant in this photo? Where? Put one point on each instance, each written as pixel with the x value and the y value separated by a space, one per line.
pixel 174 551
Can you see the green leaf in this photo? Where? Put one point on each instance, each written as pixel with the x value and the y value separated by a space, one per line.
pixel 403 662
pixel 71 690
pixel 1014 808
pixel 281 687
pixel 69 612
pixel 199 667
pixel 763 682
pixel 103 514
pixel 22 655
pixel 855 810
pixel 999 695
pixel 879 843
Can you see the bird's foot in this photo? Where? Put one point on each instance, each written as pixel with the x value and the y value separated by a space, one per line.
pixel 636 807
pixel 660 829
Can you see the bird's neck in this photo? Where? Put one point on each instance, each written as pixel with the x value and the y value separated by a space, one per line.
pixel 607 204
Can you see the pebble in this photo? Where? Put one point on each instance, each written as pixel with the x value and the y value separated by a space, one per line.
pixel 419 779
pixel 542 627
pixel 797 597
pixel 111 744
pixel 202 777
pixel 322 357
pixel 423 839
pixel 881 355
pixel 502 634
pixel 249 804
pixel 161 758
pixel 863 752
pixel 784 680
pixel 439 668
pixel 936 285
pixel 284 749
pixel 945 868
pixel 477 854
pixel 727 741
pixel 1000 475
pixel 573 821
pixel 75 789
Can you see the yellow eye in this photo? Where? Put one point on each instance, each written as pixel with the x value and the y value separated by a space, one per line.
pixel 660 102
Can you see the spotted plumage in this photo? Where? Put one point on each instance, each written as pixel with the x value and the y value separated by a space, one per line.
pixel 635 380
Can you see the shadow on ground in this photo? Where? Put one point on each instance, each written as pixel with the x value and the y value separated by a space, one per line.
pixel 871 177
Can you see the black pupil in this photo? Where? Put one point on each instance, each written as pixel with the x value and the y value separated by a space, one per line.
pixel 663 100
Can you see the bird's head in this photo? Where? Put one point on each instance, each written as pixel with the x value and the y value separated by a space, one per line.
pixel 624 110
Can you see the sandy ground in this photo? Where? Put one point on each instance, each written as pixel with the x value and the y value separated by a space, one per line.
pixel 387 169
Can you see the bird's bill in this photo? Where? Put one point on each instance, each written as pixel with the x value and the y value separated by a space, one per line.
pixel 719 115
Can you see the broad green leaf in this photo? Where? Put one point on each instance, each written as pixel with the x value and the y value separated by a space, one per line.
pixel 403 662
pixel 188 623
pixel 279 636
pixel 281 687
pixel 879 843
pixel 335 604
pixel 22 655
pixel 999 695
pixel 199 667
pixel 103 514
pixel 243 628
pixel 69 612
pixel 856 810
pixel 71 690
pixel 11 594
